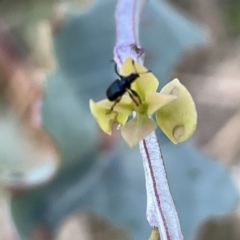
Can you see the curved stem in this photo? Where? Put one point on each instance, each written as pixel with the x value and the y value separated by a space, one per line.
pixel 161 210
pixel 127 19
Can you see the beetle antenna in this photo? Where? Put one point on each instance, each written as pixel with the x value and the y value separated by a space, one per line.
pixel 133 63
pixel 116 69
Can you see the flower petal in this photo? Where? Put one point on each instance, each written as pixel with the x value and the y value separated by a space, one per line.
pixel 156 101
pixel 146 83
pixel 154 234
pixel 137 129
pixel 125 106
pixel 106 119
pixel 178 119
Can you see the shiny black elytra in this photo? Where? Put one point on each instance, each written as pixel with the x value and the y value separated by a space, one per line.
pixel 117 89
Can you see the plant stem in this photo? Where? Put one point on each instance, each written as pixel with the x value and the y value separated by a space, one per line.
pixel 161 210
pixel 127 18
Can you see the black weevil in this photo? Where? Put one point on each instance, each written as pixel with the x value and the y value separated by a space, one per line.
pixel 117 89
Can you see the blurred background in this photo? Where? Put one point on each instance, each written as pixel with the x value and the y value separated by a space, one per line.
pixel 61 177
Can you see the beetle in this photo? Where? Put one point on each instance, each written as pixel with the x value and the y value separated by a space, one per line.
pixel 122 85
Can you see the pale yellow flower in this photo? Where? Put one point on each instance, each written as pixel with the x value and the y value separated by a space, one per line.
pixel 175 109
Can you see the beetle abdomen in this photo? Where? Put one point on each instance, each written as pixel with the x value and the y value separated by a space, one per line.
pixel 115 90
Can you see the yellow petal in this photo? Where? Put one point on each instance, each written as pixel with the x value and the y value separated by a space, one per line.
pixel 106 119
pixel 137 129
pixel 178 119
pixel 156 101
pixel 146 83
pixel 125 106
pixel 154 234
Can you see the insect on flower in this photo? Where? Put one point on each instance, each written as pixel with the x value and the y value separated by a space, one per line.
pixel 118 88
pixel 174 107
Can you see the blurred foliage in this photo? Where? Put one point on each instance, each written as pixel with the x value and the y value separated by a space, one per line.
pixel 231 12
pixel 112 183
pixel 22 11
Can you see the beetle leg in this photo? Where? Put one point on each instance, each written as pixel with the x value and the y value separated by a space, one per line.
pixel 114 104
pixel 134 95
